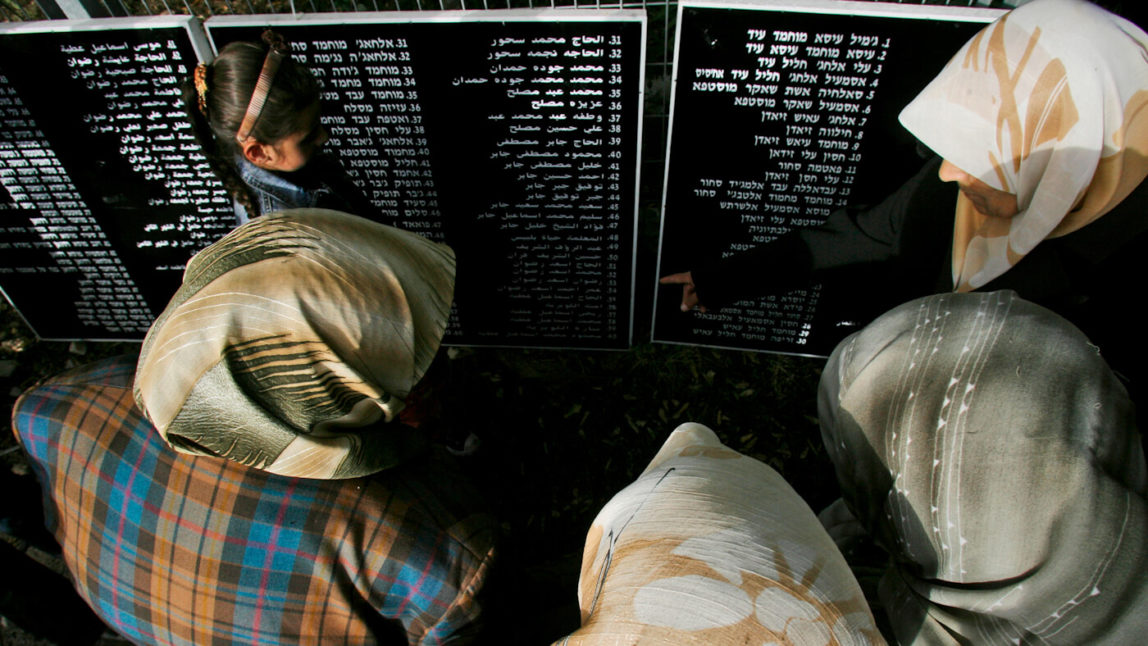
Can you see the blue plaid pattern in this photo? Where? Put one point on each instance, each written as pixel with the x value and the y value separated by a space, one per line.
pixel 175 549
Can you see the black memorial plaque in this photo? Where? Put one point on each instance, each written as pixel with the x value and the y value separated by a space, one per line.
pixel 783 113
pixel 511 136
pixel 106 194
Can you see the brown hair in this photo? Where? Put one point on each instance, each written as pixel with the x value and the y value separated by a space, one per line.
pixel 229 82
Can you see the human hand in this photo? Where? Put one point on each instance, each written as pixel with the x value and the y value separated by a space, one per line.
pixel 689 294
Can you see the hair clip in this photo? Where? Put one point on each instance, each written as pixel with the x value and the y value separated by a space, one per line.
pixel 200 77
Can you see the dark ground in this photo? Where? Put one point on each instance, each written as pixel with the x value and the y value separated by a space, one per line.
pixel 561 431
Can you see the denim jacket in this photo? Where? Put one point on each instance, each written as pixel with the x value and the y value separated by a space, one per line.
pixel 273 192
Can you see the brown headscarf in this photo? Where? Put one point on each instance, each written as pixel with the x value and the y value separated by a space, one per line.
pixel 294 340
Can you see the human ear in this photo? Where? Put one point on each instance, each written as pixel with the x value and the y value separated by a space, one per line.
pixel 260 154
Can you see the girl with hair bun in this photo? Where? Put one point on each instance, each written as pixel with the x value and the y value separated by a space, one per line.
pixel 256 113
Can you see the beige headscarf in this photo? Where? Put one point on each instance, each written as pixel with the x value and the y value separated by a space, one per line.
pixel 293 340
pixel 1050 102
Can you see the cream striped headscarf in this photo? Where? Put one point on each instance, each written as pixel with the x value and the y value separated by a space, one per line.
pixel 294 340
pixel 1050 102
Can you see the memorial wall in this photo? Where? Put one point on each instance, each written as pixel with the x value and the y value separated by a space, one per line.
pixel 783 113
pixel 106 195
pixel 511 136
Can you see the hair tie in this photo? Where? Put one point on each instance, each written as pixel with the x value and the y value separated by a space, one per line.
pixel 277 49
pixel 200 78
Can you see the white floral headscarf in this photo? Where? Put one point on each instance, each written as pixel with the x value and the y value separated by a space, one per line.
pixel 1050 103
pixel 708 546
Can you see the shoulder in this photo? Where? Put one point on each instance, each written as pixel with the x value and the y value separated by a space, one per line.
pixel 94 394
pixel 1124 226
pixel 274 191
pixel 433 547
pixel 260 179
pixel 113 372
pixel 79 410
pixel 431 504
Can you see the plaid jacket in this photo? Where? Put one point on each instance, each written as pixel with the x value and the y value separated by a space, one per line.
pixel 175 549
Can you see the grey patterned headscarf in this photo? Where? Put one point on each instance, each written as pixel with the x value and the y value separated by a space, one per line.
pixel 294 340
pixel 985 443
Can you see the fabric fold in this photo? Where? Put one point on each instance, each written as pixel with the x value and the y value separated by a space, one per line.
pixel 294 341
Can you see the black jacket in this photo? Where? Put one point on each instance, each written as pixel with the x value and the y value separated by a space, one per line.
pixel 871 259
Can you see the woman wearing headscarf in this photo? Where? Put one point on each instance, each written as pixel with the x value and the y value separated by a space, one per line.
pixel 985 444
pixel 1040 125
pixel 709 547
pixel 261 486
pixel 293 344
